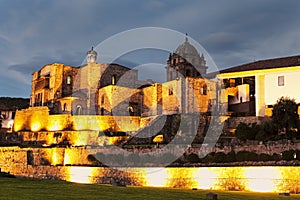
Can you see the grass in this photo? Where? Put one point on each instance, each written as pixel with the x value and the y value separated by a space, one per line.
pixel 15 188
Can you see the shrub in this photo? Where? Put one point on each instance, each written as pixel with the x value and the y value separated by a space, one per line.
pixel 288 155
pixel 285 115
pixel 264 157
pixel 246 132
pixel 230 157
pixel 219 157
pixel 246 156
pixel 193 158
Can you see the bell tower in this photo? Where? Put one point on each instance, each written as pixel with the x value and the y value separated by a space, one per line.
pixel 91 56
pixel 185 62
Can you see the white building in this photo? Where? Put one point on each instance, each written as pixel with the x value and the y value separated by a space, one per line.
pixel 253 88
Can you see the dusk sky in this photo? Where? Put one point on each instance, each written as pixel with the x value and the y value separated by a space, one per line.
pixel 34 33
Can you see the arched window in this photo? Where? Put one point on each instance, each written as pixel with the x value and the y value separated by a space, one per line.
pixel 78 110
pixel 203 89
pixel 65 107
pixel 69 79
pixel 131 110
pixel 102 111
pixel 102 99
pixel 113 80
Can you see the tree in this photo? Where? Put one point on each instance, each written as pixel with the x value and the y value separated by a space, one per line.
pixel 246 132
pixel 285 115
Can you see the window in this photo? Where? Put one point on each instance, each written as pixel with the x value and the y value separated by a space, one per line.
pixel 102 99
pixel 170 91
pixel 203 90
pixel 113 80
pixel 188 72
pixel 102 111
pixel 280 80
pixel 65 107
pixel 69 78
pixel 78 110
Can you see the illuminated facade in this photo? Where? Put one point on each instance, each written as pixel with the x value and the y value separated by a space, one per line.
pixel 253 88
pixel 97 89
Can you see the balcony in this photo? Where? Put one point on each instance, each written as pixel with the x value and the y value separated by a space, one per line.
pixel 248 108
pixel 43 83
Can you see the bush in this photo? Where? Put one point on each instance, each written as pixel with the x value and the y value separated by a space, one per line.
pixel 288 155
pixel 264 157
pixel 275 157
pixel 193 158
pixel 219 157
pixel 246 132
pixel 246 156
pixel 230 157
pixel 285 115
pixel 242 131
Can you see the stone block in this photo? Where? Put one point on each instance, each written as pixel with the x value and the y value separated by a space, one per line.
pixel 211 196
pixel 284 194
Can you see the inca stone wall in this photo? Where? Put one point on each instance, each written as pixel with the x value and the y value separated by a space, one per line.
pixel 32 163
pixel 38 119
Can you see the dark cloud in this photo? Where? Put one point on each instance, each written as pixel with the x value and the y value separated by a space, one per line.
pixel 35 33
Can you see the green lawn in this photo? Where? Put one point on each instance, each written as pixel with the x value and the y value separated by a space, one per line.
pixel 12 188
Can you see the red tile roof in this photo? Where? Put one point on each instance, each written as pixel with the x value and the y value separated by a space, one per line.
pixel 266 64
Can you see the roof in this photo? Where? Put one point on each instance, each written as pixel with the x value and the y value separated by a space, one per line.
pixel 187 49
pixel 266 64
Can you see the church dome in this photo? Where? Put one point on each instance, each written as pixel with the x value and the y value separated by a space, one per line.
pixel 187 50
pixel 190 54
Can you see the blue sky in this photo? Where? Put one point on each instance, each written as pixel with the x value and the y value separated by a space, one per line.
pixel 34 33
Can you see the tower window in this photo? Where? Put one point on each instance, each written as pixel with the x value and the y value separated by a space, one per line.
pixel 69 79
pixel 203 90
pixel 280 80
pixel 102 99
pixel 113 80
pixel 188 72
pixel 170 91
pixel 78 110
pixel 65 107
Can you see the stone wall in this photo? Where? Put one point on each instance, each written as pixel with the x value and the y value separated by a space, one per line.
pixel 38 118
pixel 117 100
pixel 24 163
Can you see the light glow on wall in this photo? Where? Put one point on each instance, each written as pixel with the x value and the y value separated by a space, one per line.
pixel 254 179
pixel 35 126
pixel 80 174
pixel 262 179
pixel 156 177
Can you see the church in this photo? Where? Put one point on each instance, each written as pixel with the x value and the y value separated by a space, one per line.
pixel 100 91
pixel 113 89
pixel 98 97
